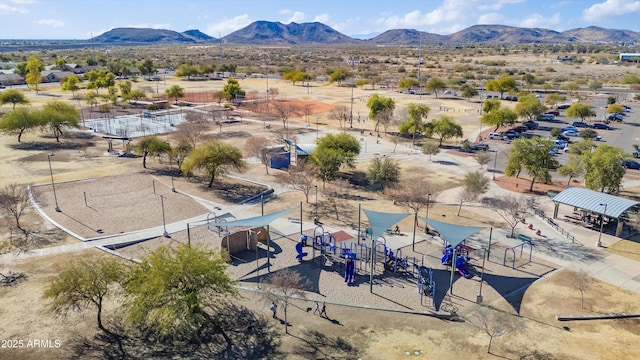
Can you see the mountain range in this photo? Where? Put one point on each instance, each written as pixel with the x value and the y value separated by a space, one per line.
pixel 276 33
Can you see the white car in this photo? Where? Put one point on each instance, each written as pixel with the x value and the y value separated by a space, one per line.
pixel 570 133
pixel 495 136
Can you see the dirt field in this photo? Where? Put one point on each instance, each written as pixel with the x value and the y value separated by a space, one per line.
pixel 371 334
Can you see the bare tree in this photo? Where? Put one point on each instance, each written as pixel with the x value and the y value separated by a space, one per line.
pixel 511 209
pixel 273 93
pixel 335 194
pixel 475 184
pixel 582 280
pixel 284 285
pixel 14 201
pixel 257 146
pixel 415 194
pixel 482 158
pixel 341 114
pixel 494 323
pixel 300 177
pixel 383 118
pixel 193 132
pixel 284 111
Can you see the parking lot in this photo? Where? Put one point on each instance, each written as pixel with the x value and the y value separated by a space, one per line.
pixel 622 134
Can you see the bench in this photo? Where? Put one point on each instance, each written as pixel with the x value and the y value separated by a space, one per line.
pixel 295 220
pixel 524 238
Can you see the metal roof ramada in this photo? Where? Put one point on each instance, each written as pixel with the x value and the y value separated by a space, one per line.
pixel 590 200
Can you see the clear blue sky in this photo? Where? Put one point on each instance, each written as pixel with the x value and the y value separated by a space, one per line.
pixel 78 19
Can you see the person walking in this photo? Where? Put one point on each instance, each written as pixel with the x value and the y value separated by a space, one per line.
pixel 274 309
pixel 324 309
pixel 317 309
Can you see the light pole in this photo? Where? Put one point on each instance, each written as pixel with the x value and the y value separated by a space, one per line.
pixel 426 226
pixel 599 243
pixel 315 219
pixel 249 232
pixel 317 129
pixel 495 161
pixel 53 185
pixel 164 223
pixel 353 64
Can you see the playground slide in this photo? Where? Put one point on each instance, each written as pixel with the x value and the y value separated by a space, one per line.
pixel 446 258
pixel 349 273
pixel 300 253
pixel 462 269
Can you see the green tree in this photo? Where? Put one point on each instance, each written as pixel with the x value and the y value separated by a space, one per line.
pixel 232 89
pixel 490 105
pixel 435 84
pixel 338 75
pixel 383 171
pixel 34 67
pixel 175 92
pixel 21 69
pixel 446 128
pixel 187 70
pixel 499 117
pixel 532 156
pixel 474 185
pixel 554 98
pixel 571 87
pixel 430 148
pixel 85 282
pixel 482 158
pixel 14 97
pixel 58 115
pixel 334 151
pixel 18 121
pixel 595 85
pixel 408 83
pixel 604 169
pixel 529 107
pixel 134 95
pixel 177 292
pixel 414 124
pixel 296 76
pixel 505 83
pixel 579 110
pixel 146 68
pixel 71 84
pixel 377 105
pixel 588 134
pixel 99 79
pixel 469 92
pixel 151 145
pixel 214 157
pixel 615 109
pixel 573 168
pixel 125 88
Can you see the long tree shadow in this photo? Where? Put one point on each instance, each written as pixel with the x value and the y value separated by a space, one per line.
pixel 307 270
pixel 318 346
pixel 252 337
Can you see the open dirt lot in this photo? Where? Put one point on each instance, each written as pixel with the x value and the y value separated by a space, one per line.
pixel 119 200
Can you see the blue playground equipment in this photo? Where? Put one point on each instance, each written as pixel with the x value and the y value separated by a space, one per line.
pixel 395 261
pixel 513 249
pixel 426 285
pixel 447 255
pixel 323 241
pixel 301 254
pixel 350 268
pixel 460 261
pixel 461 266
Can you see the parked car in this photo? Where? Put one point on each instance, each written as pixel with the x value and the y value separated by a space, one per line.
pixel 615 117
pixel 560 144
pixel 570 133
pixel 631 164
pixel 531 125
pixel 553 112
pixel 569 128
pixel 636 154
pixel 580 124
pixel 601 126
pixel 563 106
pixel 511 134
pixel 547 117
pixel 564 138
pixel 480 146
pixel 496 136
pixel 519 129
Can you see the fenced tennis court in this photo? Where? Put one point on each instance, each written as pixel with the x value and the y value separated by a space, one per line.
pixel 157 122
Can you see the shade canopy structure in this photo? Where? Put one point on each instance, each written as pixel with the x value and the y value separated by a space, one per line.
pixel 257 221
pixel 594 201
pixel 453 234
pixel 381 221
